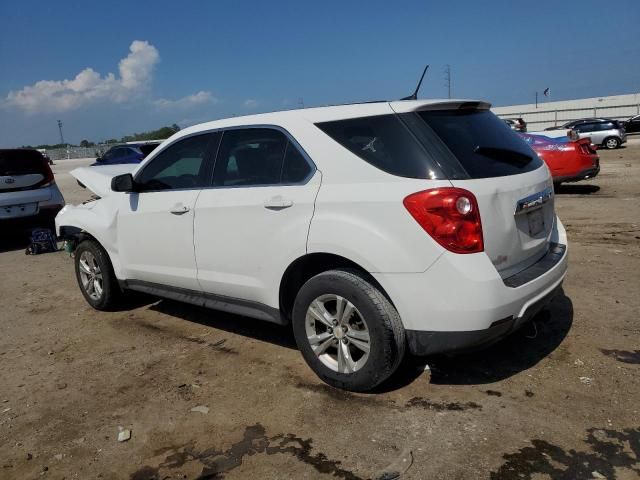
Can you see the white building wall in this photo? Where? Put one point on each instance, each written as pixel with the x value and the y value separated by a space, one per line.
pixel 548 114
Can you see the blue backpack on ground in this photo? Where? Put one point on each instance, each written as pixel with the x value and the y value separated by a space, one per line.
pixel 42 241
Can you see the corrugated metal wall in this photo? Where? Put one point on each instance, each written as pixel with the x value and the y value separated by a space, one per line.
pixel 548 114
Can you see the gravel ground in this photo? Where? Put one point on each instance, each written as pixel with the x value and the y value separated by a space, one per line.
pixel 556 401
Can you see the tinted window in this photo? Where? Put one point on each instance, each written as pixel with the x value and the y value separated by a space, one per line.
pixel 252 156
pixel 21 162
pixel 386 143
pixel 148 148
pixel 181 165
pixel 481 142
pixel 295 168
pixel 119 152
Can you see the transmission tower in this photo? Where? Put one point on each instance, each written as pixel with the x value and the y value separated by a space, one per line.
pixel 60 128
pixel 447 79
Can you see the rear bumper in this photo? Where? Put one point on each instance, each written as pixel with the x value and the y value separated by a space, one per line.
pixel 44 218
pixel 429 343
pixel 462 302
pixel 581 175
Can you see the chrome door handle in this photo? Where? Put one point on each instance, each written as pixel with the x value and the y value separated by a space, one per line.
pixel 179 209
pixel 277 203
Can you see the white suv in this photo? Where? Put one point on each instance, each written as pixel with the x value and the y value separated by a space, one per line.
pixel 371 228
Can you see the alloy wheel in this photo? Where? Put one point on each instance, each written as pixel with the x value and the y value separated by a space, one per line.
pixel 337 333
pixel 90 275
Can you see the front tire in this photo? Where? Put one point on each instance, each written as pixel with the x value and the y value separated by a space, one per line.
pixel 611 143
pixel 95 276
pixel 349 333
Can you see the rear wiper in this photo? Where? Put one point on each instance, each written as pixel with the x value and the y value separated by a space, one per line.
pixel 504 155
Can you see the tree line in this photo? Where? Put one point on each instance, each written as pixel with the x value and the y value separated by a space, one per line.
pixel 159 134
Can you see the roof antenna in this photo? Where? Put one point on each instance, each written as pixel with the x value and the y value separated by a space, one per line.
pixel 414 96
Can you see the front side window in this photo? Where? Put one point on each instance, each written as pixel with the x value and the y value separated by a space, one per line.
pixel 258 156
pixel 182 165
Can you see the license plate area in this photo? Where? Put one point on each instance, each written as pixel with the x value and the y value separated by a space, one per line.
pixel 14 211
pixel 535 220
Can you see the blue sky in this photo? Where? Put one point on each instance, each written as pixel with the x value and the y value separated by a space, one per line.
pixel 188 62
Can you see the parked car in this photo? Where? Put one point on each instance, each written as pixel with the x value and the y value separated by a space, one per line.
pixel 609 134
pixel 568 161
pixel 127 153
pixel 29 195
pixel 372 229
pixel 45 155
pixel 517 124
pixel 632 125
pixel 573 123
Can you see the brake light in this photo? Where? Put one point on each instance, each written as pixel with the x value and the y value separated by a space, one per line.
pixel 450 216
pixel 48 176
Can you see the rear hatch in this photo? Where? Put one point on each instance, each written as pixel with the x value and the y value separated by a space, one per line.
pixel 23 169
pixel 513 187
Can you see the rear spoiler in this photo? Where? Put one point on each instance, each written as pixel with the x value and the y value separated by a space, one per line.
pixel 417 106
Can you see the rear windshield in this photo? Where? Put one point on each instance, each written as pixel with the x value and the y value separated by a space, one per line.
pixel 483 144
pixel 454 144
pixel 21 162
pixel 148 148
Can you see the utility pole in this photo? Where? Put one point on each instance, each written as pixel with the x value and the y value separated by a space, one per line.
pixel 60 128
pixel 447 79
pixel 536 99
pixel 301 102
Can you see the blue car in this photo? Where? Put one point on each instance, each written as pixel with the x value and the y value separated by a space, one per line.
pixel 126 153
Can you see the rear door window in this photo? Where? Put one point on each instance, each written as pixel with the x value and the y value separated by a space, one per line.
pixel 295 168
pixel 258 156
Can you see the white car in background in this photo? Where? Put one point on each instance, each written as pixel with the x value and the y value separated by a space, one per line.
pixel 29 196
pixel 372 229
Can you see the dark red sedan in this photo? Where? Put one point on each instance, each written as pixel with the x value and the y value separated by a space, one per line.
pixel 569 161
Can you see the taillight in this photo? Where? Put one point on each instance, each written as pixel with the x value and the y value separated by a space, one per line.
pixel 48 176
pixel 450 215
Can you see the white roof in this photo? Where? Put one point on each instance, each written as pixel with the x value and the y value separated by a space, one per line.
pixel 335 112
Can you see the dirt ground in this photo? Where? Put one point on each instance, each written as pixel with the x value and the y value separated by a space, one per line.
pixel 560 401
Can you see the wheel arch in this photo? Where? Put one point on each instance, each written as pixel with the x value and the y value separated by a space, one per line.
pixel 309 265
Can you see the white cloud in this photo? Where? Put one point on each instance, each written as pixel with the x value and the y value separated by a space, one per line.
pixel 250 103
pixel 200 98
pixel 89 86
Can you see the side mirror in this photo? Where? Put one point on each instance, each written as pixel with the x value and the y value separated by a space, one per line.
pixel 123 183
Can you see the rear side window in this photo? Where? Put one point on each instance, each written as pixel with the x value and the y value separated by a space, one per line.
pixel 384 142
pixel 481 142
pixel 21 162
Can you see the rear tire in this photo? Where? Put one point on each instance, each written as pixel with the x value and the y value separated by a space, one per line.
pixel 611 143
pixel 349 333
pixel 95 276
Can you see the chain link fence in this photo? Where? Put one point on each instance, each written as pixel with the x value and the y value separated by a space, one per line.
pixel 544 117
pixel 79 152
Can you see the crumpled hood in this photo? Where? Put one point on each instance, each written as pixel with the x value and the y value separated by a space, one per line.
pixel 98 178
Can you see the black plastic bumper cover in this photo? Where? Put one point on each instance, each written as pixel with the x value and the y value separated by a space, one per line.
pixel 429 343
pixel 583 175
